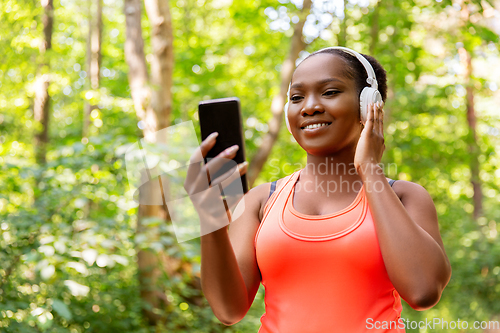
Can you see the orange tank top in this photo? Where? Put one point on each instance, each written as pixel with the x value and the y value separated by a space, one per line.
pixel 323 273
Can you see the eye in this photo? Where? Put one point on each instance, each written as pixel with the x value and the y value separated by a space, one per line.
pixel 295 98
pixel 331 92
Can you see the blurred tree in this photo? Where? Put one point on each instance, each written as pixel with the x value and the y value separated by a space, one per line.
pixel 274 125
pixel 94 46
pixel 41 108
pixel 466 62
pixel 153 104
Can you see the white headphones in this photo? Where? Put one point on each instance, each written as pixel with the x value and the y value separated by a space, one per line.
pixel 368 95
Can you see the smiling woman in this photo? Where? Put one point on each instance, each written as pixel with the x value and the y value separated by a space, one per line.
pixel 335 244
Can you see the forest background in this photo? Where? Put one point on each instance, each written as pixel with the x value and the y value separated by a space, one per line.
pixel 82 80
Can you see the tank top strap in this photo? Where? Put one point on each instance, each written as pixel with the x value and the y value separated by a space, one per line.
pixel 274 195
pixel 273 188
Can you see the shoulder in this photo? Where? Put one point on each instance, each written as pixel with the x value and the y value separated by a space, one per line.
pixel 420 207
pixel 409 191
pixel 260 194
pixel 418 203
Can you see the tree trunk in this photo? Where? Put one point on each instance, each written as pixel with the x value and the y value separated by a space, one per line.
pixel 162 65
pixel 162 61
pixel 153 104
pixel 138 79
pixel 473 147
pixel 276 121
pixel 42 98
pixel 94 43
pixel 138 73
pixel 466 59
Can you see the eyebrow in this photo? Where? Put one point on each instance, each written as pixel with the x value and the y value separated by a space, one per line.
pixel 300 85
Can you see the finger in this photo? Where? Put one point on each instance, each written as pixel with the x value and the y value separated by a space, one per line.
pixel 231 175
pixel 369 120
pixel 224 157
pixel 381 117
pixel 376 110
pixel 193 169
pixel 208 144
pixel 376 115
pixel 232 186
pixel 197 157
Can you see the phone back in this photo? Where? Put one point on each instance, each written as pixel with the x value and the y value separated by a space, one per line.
pixel 223 116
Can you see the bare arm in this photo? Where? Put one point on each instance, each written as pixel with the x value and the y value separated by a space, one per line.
pixel 409 238
pixel 407 229
pixel 229 274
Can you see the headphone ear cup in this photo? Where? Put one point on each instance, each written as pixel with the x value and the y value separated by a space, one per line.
pixel 285 108
pixel 368 96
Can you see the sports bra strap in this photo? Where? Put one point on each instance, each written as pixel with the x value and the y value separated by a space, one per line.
pixel 273 188
pixel 391 182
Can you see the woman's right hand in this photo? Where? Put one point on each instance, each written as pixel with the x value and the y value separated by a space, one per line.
pixel 204 192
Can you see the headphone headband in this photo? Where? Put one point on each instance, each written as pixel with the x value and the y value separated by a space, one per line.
pixel 372 80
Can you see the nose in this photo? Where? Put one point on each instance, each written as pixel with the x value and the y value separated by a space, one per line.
pixel 311 106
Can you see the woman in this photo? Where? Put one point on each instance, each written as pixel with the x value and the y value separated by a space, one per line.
pixel 336 244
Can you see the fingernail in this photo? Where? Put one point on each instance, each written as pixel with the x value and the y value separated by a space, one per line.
pixel 242 165
pixel 232 149
pixel 213 135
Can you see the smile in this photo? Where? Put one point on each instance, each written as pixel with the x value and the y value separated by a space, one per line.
pixel 315 126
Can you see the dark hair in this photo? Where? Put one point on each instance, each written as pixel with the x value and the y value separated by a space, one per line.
pixel 356 71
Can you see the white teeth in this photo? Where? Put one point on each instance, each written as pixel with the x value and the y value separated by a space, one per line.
pixel 315 126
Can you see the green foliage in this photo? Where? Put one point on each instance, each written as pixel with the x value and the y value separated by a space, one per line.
pixel 68 229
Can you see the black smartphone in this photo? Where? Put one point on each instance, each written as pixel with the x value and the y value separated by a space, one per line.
pixel 223 116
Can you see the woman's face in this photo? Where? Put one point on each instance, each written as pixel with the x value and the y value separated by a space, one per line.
pixel 320 93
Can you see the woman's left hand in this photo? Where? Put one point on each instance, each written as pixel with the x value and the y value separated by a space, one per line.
pixel 371 145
